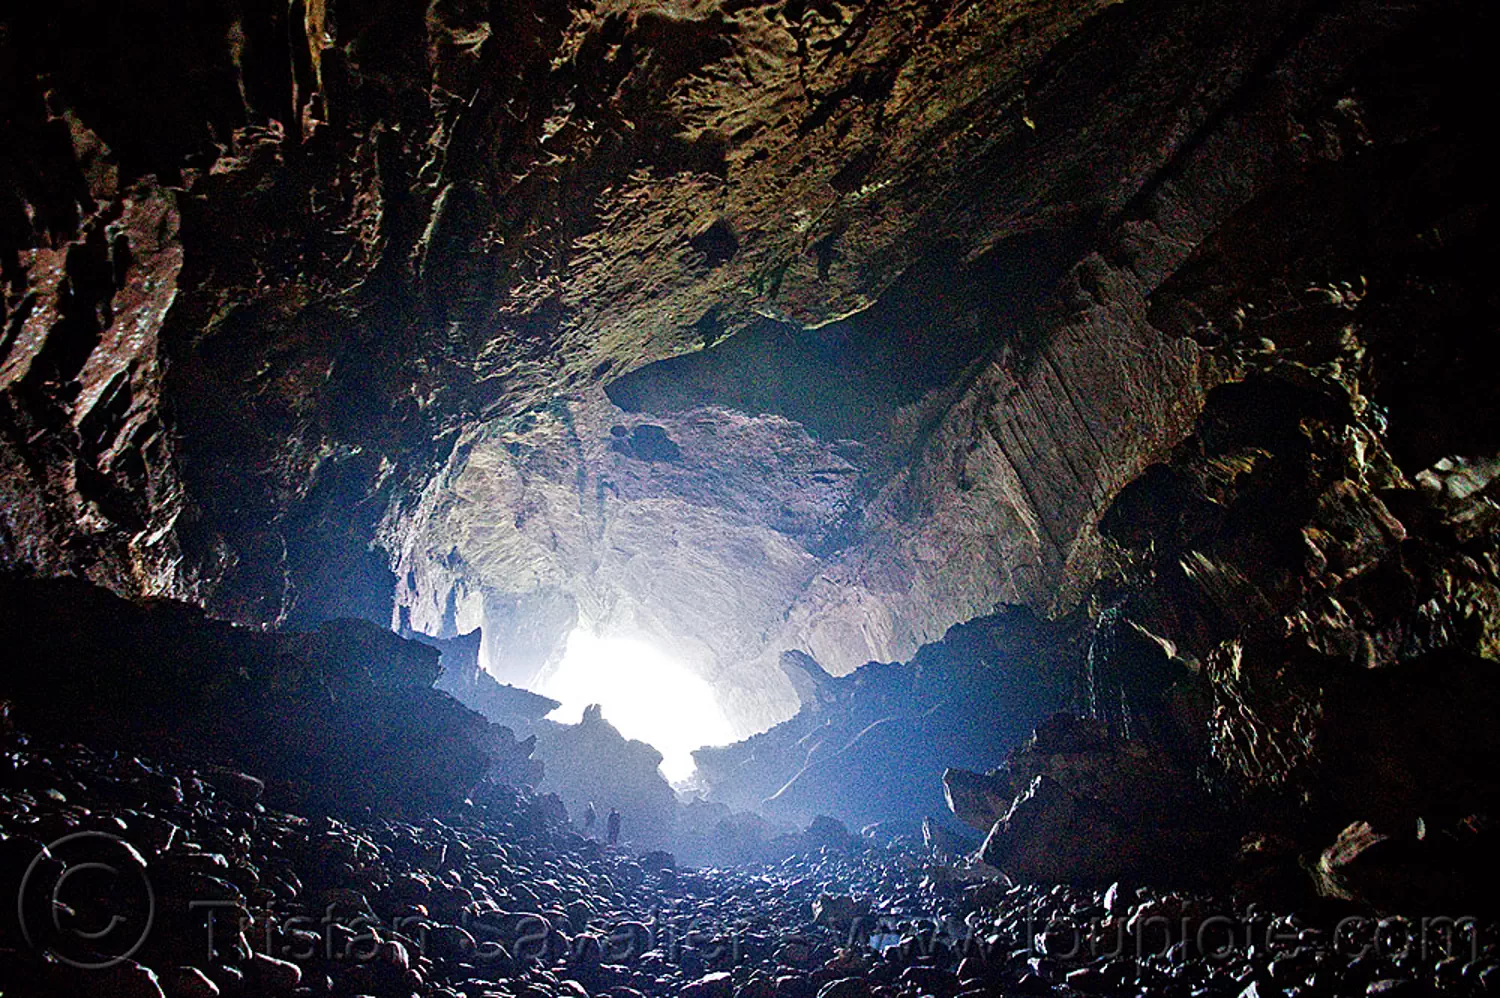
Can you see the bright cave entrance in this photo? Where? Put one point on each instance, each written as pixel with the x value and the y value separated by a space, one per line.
pixel 644 693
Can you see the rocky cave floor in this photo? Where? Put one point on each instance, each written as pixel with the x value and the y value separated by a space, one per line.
pixel 210 892
pixel 926 368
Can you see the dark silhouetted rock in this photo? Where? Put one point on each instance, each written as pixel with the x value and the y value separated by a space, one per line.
pixel 1097 809
pixel 872 746
pixel 1431 870
pixel 336 718
pixel 978 799
pixel 592 761
pixel 238 788
pixel 462 676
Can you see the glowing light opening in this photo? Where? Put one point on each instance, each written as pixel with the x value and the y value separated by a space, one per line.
pixel 645 695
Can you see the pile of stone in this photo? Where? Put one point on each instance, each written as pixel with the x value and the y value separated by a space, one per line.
pixel 501 898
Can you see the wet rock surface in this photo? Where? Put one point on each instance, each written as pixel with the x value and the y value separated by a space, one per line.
pixel 1299 563
pixel 500 897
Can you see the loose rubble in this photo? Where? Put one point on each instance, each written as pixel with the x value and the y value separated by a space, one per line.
pixel 501 897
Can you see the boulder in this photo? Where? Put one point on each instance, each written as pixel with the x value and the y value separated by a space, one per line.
pixel 716 985
pixel 838 911
pixel 978 799
pixel 944 841
pixel 846 987
pixel 188 982
pixel 126 979
pixel 830 833
pixel 656 860
pixel 1097 809
pixel 238 788
pixel 272 976
pixel 1267 870
pixel 592 761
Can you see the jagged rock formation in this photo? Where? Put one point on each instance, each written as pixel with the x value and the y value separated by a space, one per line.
pixel 753 328
pixel 746 328
pixel 463 678
pixel 592 762
pixel 871 747
pixel 343 718
pixel 581 763
pixel 1314 564
pixel 1318 551
pixel 1084 807
pixel 894 504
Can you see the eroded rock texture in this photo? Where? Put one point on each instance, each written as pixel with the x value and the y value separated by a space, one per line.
pixel 853 489
pixel 871 747
pixel 745 327
pixel 1303 605
pixel 1087 807
pixel 818 328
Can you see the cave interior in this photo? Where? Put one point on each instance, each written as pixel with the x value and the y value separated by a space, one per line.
pixel 517 483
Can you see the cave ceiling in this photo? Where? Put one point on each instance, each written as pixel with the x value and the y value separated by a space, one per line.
pixel 741 326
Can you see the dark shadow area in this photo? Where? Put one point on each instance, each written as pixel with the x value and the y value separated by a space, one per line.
pixel 845 380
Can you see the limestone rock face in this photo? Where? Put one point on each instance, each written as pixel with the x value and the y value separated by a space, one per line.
pixel 1312 559
pixel 754 328
pixel 743 327
pixel 1310 551
pixel 872 746
pixel 853 489
pixel 1416 868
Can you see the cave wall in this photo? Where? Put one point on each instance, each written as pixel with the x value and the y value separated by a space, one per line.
pixel 1321 548
pixel 854 489
pixel 397 220
pixel 740 327
pixel 1292 662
